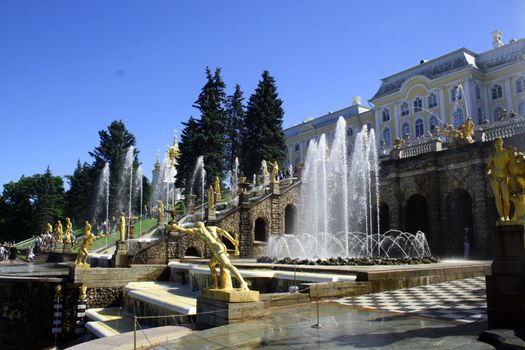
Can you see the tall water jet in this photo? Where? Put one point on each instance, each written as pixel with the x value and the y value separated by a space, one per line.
pixel 102 194
pixel 138 192
pixel 339 205
pixel 199 173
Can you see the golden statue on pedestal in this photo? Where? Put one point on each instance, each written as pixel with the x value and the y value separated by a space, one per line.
pixel 211 201
pixel 160 206
pixel 122 227
pixel 59 232
pixel 211 236
pixel 83 251
pixel 49 228
pixel 398 143
pixel 217 189
pixel 275 171
pixel 466 129
pixel 69 230
pixel 498 173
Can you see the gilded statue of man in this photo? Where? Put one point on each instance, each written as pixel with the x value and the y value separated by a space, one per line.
pixel 275 171
pixel 69 230
pixel 59 232
pixel 160 206
pixel 211 236
pixel 83 251
pixel 122 227
pixel 217 189
pixel 498 173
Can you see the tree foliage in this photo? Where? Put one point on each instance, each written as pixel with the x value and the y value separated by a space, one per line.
pixel 235 115
pixel 190 147
pixel 262 136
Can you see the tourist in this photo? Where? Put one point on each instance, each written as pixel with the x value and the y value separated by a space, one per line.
pixel 30 254
pixel 2 253
pixel 12 253
pixel 466 244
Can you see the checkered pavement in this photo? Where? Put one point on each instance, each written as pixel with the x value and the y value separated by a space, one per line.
pixel 460 300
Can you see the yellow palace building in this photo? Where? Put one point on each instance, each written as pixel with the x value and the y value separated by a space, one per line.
pixel 413 103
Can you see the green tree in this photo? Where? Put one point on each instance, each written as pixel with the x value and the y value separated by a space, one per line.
pixel 262 136
pixel 28 204
pixel 213 123
pixel 190 148
pixel 82 189
pixel 235 115
pixel 114 144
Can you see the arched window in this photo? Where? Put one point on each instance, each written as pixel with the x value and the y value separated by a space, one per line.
pixel 433 123
pixel 349 132
pixel 497 114
pixel 478 92
pixel 404 108
pixel 369 126
pixel 386 114
pixel 387 136
pixel 405 130
pixel 456 93
pixel 521 109
pixel 497 92
pixel 520 85
pixel 432 100
pixel 458 118
pixel 418 105
pixel 420 128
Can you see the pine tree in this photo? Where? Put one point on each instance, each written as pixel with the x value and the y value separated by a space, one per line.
pixel 190 148
pixel 211 103
pixel 235 115
pixel 50 199
pixel 262 136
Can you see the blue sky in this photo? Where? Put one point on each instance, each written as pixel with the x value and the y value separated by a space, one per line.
pixel 68 68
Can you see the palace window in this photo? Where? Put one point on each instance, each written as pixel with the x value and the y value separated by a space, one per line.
pixel 418 105
pixel 497 114
pixel 420 129
pixel 296 147
pixel 386 114
pixel 349 132
pixel 497 92
pixel 405 130
pixel 432 101
pixel 387 137
pixel 369 126
pixel 520 85
pixel 521 109
pixel 404 109
pixel 433 123
pixel 456 93
pixel 458 118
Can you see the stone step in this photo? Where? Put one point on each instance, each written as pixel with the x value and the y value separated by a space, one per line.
pixel 105 322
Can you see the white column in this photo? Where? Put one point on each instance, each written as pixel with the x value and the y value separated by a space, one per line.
pixel 485 94
pixel 470 99
pixel 508 94
pixel 396 121
pixel 442 113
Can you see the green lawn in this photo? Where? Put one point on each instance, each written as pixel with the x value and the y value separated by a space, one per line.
pixel 140 229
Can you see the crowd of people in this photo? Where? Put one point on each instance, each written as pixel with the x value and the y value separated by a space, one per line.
pixel 8 252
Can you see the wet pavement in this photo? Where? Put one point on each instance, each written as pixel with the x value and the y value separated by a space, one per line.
pixel 343 327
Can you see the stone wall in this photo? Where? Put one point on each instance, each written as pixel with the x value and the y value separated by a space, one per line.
pixel 440 177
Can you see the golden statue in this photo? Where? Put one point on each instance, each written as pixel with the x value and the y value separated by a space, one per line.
pixel 122 227
pixel 275 171
pixel 83 252
pixel 498 173
pixel 211 236
pixel 217 189
pixel 398 143
pixel 160 206
pixel 58 290
pixel 59 232
pixel 49 228
pixel 69 230
pixel 174 151
pixel 466 130
pixel 82 293
pixel 210 198
pixel 516 184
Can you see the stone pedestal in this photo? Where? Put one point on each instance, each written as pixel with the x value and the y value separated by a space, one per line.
pixel 131 231
pixel 68 247
pixel 275 188
pixel 225 307
pixel 120 258
pixel 211 214
pixel 506 285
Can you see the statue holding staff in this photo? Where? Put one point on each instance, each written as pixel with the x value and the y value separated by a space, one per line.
pixel 498 173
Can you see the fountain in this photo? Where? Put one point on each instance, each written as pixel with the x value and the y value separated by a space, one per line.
pixel 102 194
pixel 138 193
pixel 201 173
pixel 339 205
